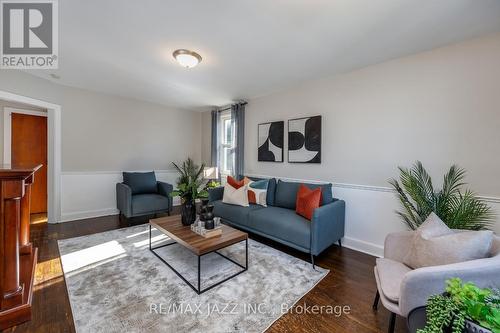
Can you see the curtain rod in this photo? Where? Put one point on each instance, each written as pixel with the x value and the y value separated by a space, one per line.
pixel 229 107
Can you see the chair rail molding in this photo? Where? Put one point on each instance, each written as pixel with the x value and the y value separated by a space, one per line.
pixel 370 213
pixel 88 194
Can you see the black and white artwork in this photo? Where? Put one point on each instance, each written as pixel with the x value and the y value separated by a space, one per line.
pixel 271 137
pixel 304 140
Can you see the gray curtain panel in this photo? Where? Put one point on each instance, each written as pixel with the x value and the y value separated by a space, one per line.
pixel 238 122
pixel 215 140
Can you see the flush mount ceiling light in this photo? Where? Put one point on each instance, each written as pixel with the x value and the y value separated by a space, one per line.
pixel 187 58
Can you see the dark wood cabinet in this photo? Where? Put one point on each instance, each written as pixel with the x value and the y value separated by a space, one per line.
pixel 17 255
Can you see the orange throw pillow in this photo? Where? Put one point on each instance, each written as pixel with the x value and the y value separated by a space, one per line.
pixel 234 183
pixel 307 201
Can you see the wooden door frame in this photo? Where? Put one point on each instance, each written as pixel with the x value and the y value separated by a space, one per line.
pixel 53 148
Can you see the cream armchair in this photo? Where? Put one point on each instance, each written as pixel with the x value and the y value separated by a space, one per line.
pixel 401 289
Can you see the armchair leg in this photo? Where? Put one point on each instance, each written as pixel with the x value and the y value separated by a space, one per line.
pixel 375 302
pixel 340 243
pixel 392 323
pixel 312 261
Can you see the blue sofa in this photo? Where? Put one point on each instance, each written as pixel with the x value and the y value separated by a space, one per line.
pixel 140 194
pixel 279 222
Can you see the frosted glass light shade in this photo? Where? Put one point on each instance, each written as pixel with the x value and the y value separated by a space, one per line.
pixel 187 58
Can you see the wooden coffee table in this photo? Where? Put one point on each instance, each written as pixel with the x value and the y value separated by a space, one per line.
pixel 172 227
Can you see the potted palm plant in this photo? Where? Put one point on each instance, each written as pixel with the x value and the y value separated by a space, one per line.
pixel 459 209
pixel 190 186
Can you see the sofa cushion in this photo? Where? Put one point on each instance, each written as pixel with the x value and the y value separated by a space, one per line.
pixel 433 226
pixel 235 183
pixel 271 192
pixel 271 189
pixel 257 191
pixel 233 213
pixel 391 274
pixel 452 248
pixel 307 201
pixel 148 203
pixel 141 182
pixel 495 246
pixel 434 244
pixel 282 223
pixel 286 193
pixel 235 196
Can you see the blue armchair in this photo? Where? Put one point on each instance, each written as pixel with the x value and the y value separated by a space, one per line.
pixel 140 194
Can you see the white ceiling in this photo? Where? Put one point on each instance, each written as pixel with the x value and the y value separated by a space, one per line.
pixel 249 48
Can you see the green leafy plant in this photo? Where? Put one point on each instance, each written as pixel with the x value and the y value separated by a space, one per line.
pixel 443 312
pixel 460 302
pixel 212 184
pixel 190 184
pixel 459 209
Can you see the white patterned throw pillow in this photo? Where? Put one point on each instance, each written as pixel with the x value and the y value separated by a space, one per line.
pixel 235 196
pixel 257 191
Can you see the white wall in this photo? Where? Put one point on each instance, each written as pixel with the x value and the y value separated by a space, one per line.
pixel 440 107
pixel 206 138
pixel 103 135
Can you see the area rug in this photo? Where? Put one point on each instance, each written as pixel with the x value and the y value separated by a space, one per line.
pixel 115 284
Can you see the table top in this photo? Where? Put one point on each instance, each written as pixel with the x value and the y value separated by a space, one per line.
pixel 173 228
pixel 17 171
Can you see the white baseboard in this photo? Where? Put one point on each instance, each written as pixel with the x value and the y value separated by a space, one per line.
pixel 93 193
pixel 362 246
pixel 67 217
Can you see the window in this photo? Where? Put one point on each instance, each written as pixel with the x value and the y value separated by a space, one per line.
pixel 226 144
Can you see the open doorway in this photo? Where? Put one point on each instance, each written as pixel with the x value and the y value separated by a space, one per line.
pixel 26 143
pixel 54 148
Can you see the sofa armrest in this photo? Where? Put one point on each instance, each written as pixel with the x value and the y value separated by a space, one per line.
pixel 418 285
pixel 165 189
pixel 124 199
pixel 215 193
pixel 327 225
pixel 397 245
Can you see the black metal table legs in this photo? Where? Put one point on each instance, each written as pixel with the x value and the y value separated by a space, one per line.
pixel 197 288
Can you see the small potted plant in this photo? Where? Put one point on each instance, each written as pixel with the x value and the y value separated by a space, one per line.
pixel 463 308
pixel 190 186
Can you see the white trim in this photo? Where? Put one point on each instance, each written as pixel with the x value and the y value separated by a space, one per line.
pixel 67 217
pixel 489 199
pixel 28 112
pixel 112 172
pixel 357 186
pixel 54 150
pixel 362 246
pixel 76 185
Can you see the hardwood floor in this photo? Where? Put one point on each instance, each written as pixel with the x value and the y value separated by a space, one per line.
pixel 350 282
